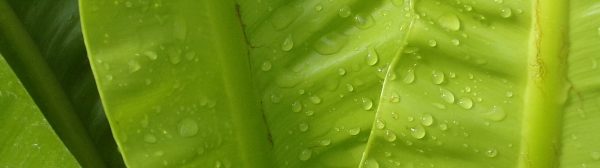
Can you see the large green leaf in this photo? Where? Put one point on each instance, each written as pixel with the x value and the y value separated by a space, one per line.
pixel 42 42
pixel 27 138
pixel 174 81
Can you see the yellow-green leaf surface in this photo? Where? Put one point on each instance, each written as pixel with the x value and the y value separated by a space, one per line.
pixel 489 87
pixel 175 83
pixel 27 138
pixel 319 67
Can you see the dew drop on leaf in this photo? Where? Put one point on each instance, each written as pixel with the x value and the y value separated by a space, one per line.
pixel 151 55
pixel 505 12
pixel 466 103
pixel 437 77
pixel 367 103
pixel 345 11
pixel 432 43
pixel 341 71
pixel 379 124
pixel 296 106
pixel 349 87
pixel 330 43
pixel 371 163
pixel 288 43
pixel 315 99
pixel 496 114
pixel 449 21
pixel 595 155
pixel 417 132
pixel 354 131
pixel 303 127
pixel 325 142
pixel 390 136
pixel 409 77
pixel 447 96
pixel 266 66
pixel 363 21
pixel 455 42
pixel 491 153
pixel 372 57
pixel 398 3
pixel 305 154
pixel 443 127
pixel 394 98
pixel 427 120
pixel 188 127
pixel 150 138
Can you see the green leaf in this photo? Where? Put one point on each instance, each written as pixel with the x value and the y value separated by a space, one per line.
pixel 42 42
pixel 174 81
pixel 28 140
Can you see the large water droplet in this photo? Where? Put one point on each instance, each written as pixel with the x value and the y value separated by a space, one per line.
pixel 372 57
pixel 305 154
pixel 465 102
pixel 330 43
pixel 417 132
pixel 288 43
pixel 449 21
pixel 296 106
pixel 437 77
pixel 188 127
pixel 363 21
pixel 367 103
pixel 447 96
pixel 427 119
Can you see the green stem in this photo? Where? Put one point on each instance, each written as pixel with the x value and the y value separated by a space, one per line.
pixel 546 89
pixel 25 59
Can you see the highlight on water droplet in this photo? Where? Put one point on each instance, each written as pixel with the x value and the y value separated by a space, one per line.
pixel 296 106
pixel 449 21
pixel 288 43
pixel 491 153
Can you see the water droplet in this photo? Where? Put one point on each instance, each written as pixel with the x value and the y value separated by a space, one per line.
pixel 345 11
pixel 315 99
pixel 151 55
pixel 325 142
pixel 275 98
pixel 303 127
pixel 372 57
pixel 465 103
pixel 296 106
pixel 506 12
pixel 341 71
pixel 188 127
pixel 491 153
pixel 449 21
pixel 508 94
pixel 432 43
pixel 499 1
pixel 288 43
pixel 150 138
pixel 174 59
pixel 190 55
pixel 394 98
pixel 427 119
pixel 496 114
pixel 437 77
pixel 418 132
pixel 330 43
pixel 305 154
pixel 309 113
pixel 363 21
pixel 595 155
pixel 379 124
pixel 443 127
pixel 390 136
pixel 266 66
pixel 285 15
pixel 349 87
pixel 318 8
pixel 354 131
pixel 447 96
pixel 371 163
pixel 455 42
pixel 409 77
pixel 367 103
